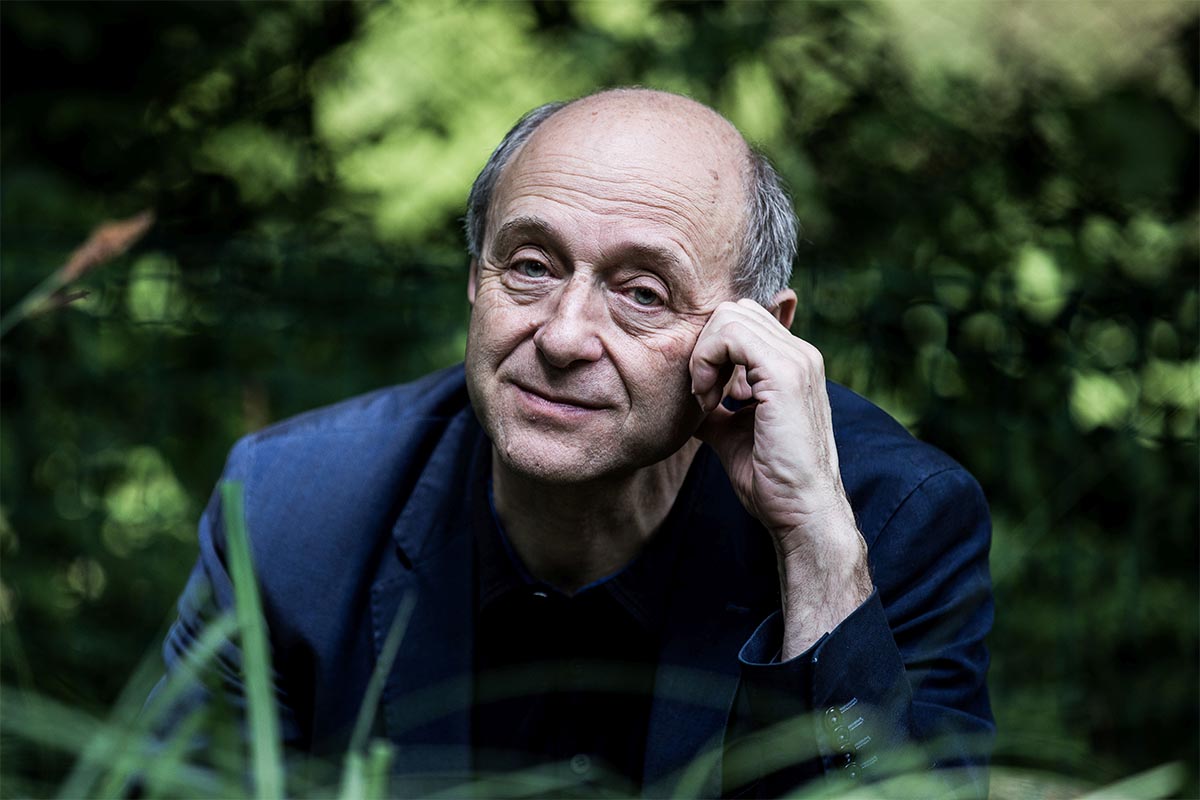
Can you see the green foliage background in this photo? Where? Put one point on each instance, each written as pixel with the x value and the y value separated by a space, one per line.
pixel 1000 248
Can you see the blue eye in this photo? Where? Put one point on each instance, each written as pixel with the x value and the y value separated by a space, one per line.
pixel 531 269
pixel 645 297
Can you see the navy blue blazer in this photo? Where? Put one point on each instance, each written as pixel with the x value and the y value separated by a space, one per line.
pixel 353 507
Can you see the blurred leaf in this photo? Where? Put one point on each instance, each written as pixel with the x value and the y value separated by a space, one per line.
pixel 1041 286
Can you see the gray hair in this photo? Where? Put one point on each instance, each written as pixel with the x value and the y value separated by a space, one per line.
pixel 481 191
pixel 764 264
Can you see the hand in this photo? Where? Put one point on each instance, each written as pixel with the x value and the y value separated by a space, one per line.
pixel 779 451
pixel 781 458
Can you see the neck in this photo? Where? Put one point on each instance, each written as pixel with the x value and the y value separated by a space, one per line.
pixel 570 535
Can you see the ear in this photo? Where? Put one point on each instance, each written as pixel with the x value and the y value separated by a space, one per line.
pixel 474 270
pixel 783 307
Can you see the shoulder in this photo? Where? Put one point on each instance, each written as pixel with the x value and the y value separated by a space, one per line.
pixel 355 434
pixel 926 524
pixel 354 445
pixel 331 480
pixel 884 467
pixel 439 395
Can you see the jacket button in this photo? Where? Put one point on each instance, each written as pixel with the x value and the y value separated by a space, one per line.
pixel 580 764
pixel 851 770
pixel 833 717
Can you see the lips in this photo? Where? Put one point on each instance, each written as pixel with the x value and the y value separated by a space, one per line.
pixel 562 399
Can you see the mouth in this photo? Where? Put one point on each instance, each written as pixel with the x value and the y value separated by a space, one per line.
pixel 558 402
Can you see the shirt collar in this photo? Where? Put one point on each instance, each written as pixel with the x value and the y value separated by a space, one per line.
pixel 641 588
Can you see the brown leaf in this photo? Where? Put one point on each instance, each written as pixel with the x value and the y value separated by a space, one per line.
pixel 62 298
pixel 109 240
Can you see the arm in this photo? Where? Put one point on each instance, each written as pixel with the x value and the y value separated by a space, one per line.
pixel 208 595
pixel 906 670
pixel 781 457
pixel 877 670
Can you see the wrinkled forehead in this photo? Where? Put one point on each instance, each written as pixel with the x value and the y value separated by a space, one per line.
pixel 653 134
pixel 657 161
pixel 652 125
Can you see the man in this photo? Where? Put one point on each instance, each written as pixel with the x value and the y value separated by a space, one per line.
pixel 650 549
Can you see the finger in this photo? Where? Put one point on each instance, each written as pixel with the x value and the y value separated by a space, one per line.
pixel 752 313
pixel 725 379
pixel 731 344
pixel 738 387
pixel 705 376
pixel 768 316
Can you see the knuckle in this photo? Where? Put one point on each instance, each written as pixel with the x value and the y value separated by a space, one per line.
pixel 727 327
pixel 726 307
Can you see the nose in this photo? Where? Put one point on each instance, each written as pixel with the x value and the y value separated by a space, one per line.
pixel 570 333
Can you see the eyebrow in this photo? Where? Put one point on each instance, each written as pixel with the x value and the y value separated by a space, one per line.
pixel 646 254
pixel 523 226
pixel 651 255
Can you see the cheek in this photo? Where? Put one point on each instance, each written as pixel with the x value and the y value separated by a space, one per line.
pixel 662 366
pixel 665 409
pixel 496 325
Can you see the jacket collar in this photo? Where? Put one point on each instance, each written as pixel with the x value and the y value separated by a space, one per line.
pixel 641 589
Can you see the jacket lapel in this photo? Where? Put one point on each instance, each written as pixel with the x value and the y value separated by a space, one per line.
pixel 426 701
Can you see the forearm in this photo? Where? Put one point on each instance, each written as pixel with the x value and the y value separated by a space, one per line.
pixel 909 661
pixel 823 577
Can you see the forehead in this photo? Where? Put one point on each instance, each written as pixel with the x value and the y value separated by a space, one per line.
pixel 607 176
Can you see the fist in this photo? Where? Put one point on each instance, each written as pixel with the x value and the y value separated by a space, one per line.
pixel 778 449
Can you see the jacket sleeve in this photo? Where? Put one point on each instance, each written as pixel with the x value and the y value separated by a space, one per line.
pixel 214 686
pixel 901 684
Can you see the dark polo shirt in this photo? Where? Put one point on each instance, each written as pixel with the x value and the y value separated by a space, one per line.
pixel 564 683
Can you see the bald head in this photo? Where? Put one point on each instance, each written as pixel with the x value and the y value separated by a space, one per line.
pixel 646 117
pixel 693 154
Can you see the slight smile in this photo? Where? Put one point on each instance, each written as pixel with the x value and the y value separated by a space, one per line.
pixel 554 405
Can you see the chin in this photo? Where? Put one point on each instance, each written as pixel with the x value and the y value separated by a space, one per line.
pixel 552 462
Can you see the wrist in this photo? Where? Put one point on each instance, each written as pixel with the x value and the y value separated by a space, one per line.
pixel 824 576
pixel 828 569
pixel 819 539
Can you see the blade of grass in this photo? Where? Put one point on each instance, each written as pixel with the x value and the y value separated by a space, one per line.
pixel 265 748
pixel 47 722
pixel 57 726
pixel 391 646
pixel 1161 781
pixel 189 669
pixel 29 304
pixel 136 716
pixel 378 762
pixel 167 772
pixel 130 759
pixel 541 781
pixel 354 776
pixel 109 240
